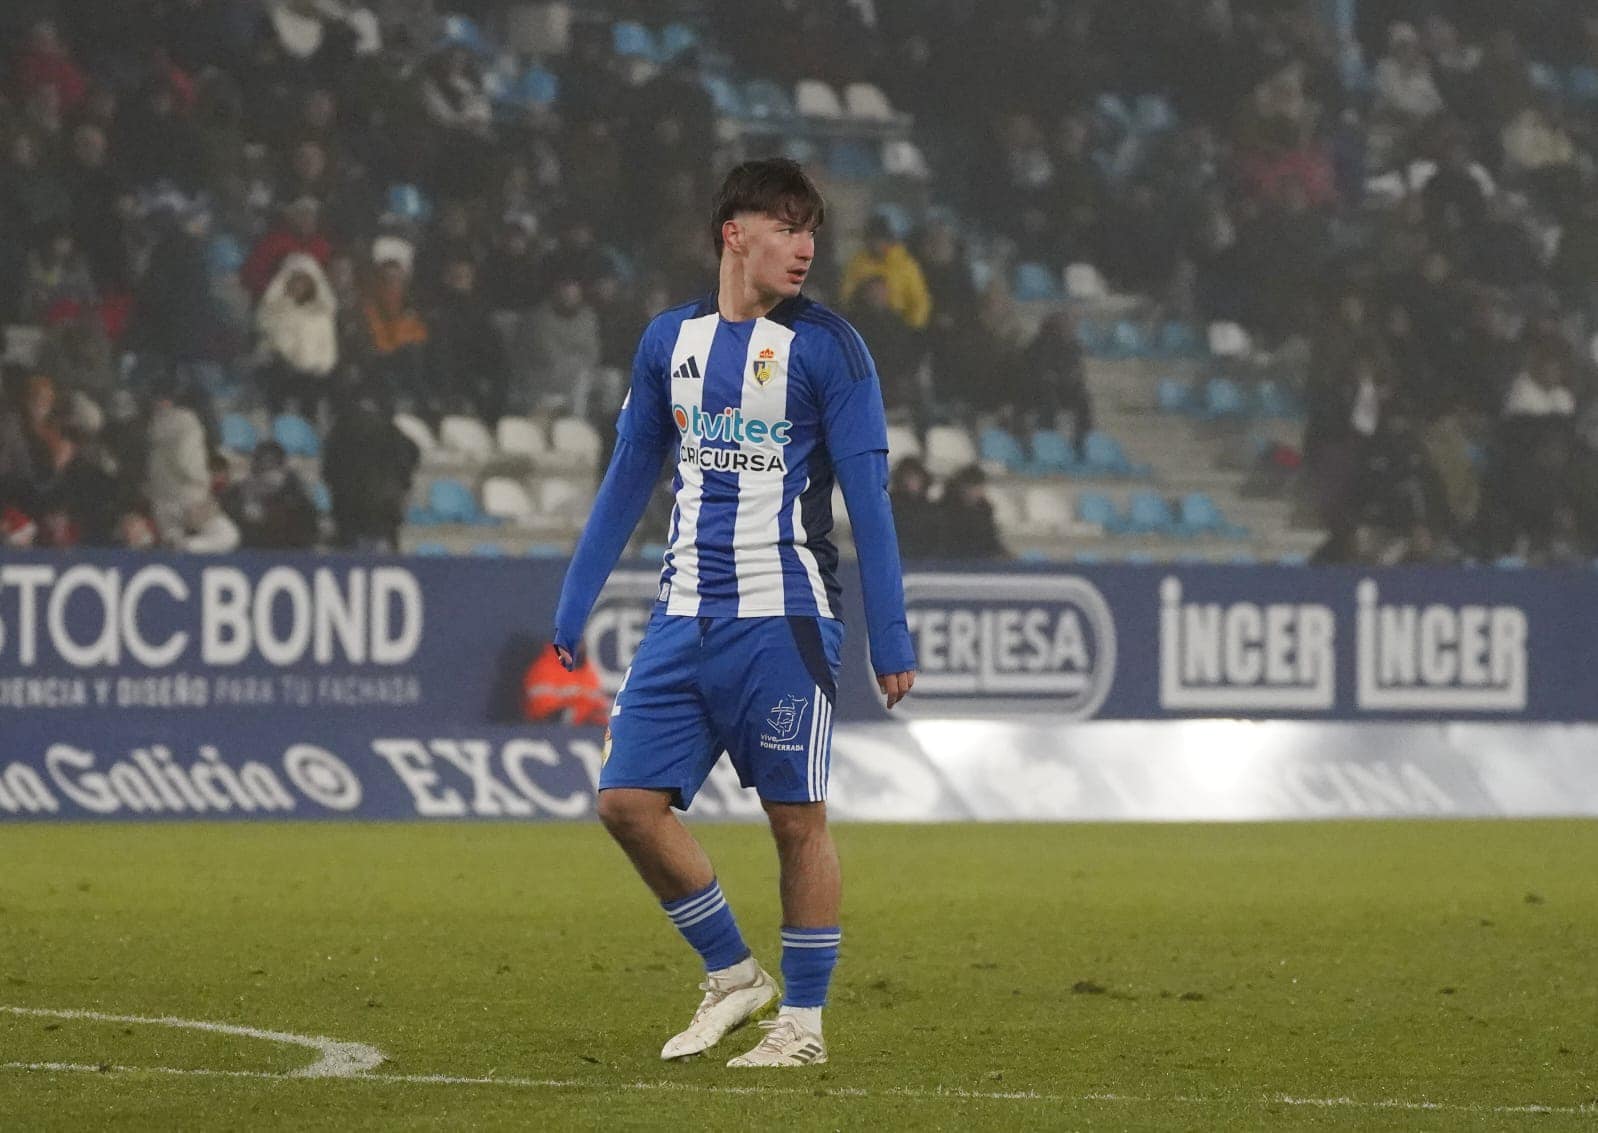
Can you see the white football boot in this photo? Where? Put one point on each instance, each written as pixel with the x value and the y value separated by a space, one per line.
pixel 724 1007
pixel 786 1044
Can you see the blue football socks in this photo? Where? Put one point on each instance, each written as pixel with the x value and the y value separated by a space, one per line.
pixel 808 957
pixel 706 922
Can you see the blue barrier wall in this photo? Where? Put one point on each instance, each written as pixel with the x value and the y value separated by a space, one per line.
pixel 335 686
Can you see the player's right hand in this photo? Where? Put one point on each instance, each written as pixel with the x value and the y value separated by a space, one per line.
pixel 896 686
pixel 567 661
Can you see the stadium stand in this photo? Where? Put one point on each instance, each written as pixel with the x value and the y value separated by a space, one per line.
pixel 1342 290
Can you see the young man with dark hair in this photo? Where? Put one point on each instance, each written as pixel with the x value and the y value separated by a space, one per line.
pixel 766 398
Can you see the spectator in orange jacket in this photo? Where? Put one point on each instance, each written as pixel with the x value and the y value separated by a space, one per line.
pixel 551 695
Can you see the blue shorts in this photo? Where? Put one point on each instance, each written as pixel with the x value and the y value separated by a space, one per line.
pixel 760 689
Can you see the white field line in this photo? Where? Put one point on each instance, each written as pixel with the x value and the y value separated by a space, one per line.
pixel 936 1094
pixel 339 1059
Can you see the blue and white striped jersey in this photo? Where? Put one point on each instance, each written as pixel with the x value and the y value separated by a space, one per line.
pixel 760 411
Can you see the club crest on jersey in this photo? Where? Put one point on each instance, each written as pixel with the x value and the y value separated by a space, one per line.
pixel 765 365
pixel 786 717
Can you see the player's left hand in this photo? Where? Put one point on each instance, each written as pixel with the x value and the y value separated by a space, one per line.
pixel 896 686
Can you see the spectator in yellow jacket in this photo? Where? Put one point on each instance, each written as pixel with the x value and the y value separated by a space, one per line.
pixel 885 256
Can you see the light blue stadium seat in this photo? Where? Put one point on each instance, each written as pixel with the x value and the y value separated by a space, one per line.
pixel 1128 340
pixel 1293 559
pixel 898 218
pixel 1051 453
pixel 546 551
pixel 1139 558
pixel 1174 396
pixel 1000 445
pixel 459 31
pixel 1103 455
pixel 1098 508
pixel 1582 85
pixel 1088 558
pixel 1036 282
pixel 408 203
pixel 431 550
pixel 238 434
pixel 1149 513
pixel 488 550
pixel 1243 558
pixel 1546 79
pixel 1277 401
pixel 1113 108
pixel 297 435
pixel 627 37
pixel 224 255
pixel 1092 335
pixel 1509 562
pixel 675 38
pixel 1224 398
pixel 854 159
pixel 450 501
pixel 1200 515
pixel 537 87
pixel 724 95
pixel 1179 340
pixel 652 552
pixel 418 516
pixel 321 498
pixel 765 99
pixel 799 149
pixel 1033 555
pixel 1152 114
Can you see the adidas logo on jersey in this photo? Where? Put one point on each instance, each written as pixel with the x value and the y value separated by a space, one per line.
pixel 689 369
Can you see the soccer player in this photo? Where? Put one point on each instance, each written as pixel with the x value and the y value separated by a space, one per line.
pixel 766 397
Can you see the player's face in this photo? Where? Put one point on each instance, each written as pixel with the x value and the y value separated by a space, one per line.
pixel 778 253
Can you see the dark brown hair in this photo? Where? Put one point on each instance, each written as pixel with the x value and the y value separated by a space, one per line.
pixel 774 186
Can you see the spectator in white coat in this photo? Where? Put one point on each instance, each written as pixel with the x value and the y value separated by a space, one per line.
pixel 178 480
pixel 297 322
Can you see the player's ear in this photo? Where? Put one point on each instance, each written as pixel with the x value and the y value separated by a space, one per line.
pixel 732 235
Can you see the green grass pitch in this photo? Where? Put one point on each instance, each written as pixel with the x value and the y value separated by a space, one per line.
pixel 1417 976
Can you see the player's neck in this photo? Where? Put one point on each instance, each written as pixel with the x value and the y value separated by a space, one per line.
pixel 736 299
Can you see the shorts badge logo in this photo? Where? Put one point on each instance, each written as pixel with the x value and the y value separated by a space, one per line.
pixel 786 718
pixel 765 365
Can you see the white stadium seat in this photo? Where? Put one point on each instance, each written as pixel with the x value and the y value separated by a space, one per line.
pixel 416 429
pixel 903 158
pixel 1083 281
pixel 522 437
pixel 561 497
pixel 507 499
pixel 576 441
pixel 1048 508
pixel 949 448
pixel 815 99
pixel 865 101
pixel 466 437
pixel 1228 340
pixel 1007 512
pixel 902 442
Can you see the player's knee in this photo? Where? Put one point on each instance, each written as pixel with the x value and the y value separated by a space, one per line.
pixel 796 823
pixel 626 812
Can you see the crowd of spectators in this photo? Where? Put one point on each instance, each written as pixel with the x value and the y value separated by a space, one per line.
pixel 1401 212
pixel 311 206
pixel 320 199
